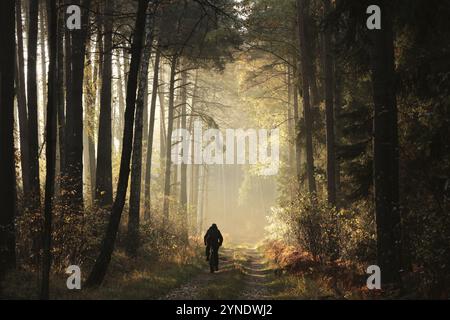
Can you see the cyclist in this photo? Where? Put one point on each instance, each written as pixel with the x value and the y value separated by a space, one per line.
pixel 213 240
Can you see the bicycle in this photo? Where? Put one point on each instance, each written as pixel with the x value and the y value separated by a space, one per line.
pixel 214 260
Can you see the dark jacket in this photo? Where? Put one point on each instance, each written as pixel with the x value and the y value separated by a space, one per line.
pixel 213 237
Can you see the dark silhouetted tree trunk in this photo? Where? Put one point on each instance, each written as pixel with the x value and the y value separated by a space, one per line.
pixel 68 91
pixel 101 264
pixel 7 163
pixel 42 33
pixel 74 115
pixel 290 128
pixel 32 100
pixel 136 165
pixel 337 110
pixel 329 110
pixel 298 146
pixel 103 188
pixel 305 62
pixel 386 148
pixel 151 129
pixel 50 148
pixel 22 105
pixel 61 102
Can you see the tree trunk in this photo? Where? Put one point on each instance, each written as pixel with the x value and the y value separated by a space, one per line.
pixel 329 110
pixel 183 169
pixel 101 264
pixel 42 30
pixel 121 98
pixel 74 117
pixel 292 159
pixel 386 148
pixel 89 119
pixel 7 163
pixel 22 105
pixel 305 62
pixel 298 146
pixel 68 91
pixel 193 196
pixel 50 148
pixel 337 110
pixel 162 118
pixel 32 100
pixel 136 166
pixel 60 83
pixel 103 188
pixel 151 129
pixel 168 150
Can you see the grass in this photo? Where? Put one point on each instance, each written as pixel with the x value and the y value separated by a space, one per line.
pixel 298 287
pixel 132 279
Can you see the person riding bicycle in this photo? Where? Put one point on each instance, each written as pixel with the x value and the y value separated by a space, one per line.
pixel 213 240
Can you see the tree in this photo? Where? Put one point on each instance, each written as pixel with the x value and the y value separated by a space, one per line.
pixel 7 163
pixel 183 171
pixel 61 102
pixel 32 100
pixel 385 144
pixel 50 147
pixel 22 104
pixel 168 158
pixel 103 188
pixel 101 264
pixel 305 62
pixel 151 129
pixel 136 165
pixel 297 121
pixel 329 109
pixel 42 31
pixel 90 93
pixel 74 114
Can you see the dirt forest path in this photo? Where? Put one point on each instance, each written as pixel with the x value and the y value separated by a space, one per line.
pixel 243 274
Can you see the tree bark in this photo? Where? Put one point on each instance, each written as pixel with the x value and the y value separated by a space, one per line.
pixel 329 110
pixel 193 196
pixel 42 31
pixel 22 105
pixel 305 62
pixel 89 119
pixel 32 100
pixel 61 103
pixel 50 148
pixel 7 163
pixel 168 149
pixel 162 118
pixel 183 169
pixel 151 129
pixel 74 117
pixel 298 143
pixel 386 180
pixel 68 91
pixel 101 264
pixel 136 166
pixel 121 98
pixel 103 189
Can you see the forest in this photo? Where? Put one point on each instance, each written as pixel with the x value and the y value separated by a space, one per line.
pixel 94 96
